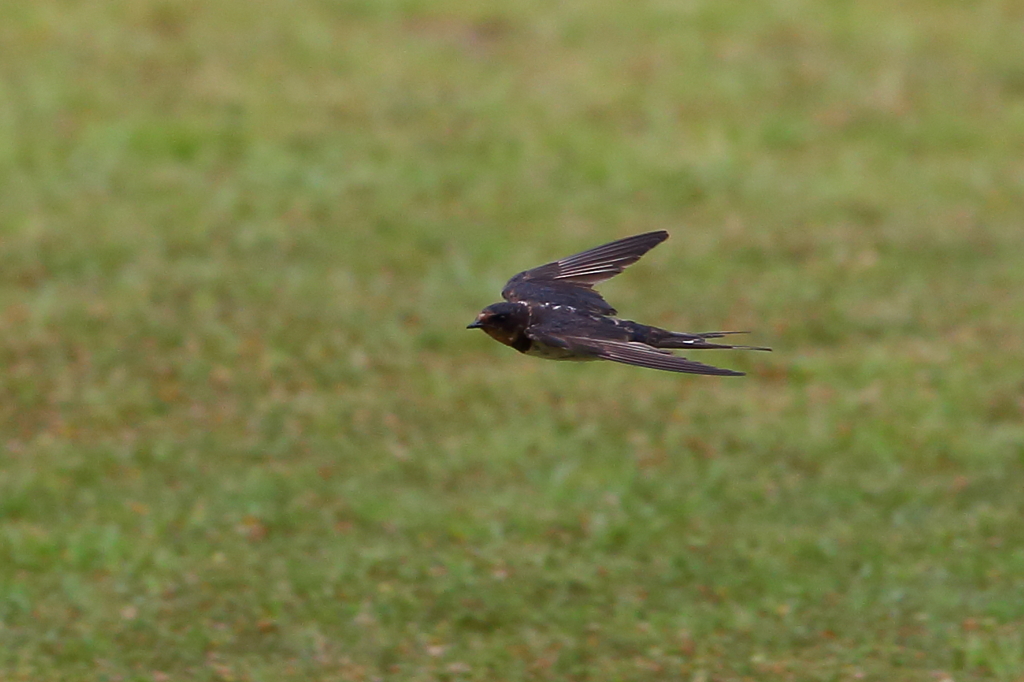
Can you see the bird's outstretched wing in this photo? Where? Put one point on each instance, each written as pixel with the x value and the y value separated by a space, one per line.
pixel 629 353
pixel 570 281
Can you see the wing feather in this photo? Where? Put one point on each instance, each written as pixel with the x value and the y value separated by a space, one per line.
pixel 642 355
pixel 629 353
pixel 570 280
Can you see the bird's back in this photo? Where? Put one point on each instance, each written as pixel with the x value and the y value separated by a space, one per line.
pixel 571 321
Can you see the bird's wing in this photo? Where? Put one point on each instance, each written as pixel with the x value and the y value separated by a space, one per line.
pixel 629 353
pixel 570 281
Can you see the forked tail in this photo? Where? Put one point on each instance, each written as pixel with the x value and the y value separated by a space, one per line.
pixel 699 341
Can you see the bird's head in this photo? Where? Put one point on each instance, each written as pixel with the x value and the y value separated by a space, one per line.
pixel 502 321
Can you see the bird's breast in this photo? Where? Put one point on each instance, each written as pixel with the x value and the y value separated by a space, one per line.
pixel 540 350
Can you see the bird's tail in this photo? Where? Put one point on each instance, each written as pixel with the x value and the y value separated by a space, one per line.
pixel 699 341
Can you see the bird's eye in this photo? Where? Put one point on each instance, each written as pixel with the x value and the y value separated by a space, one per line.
pixel 501 317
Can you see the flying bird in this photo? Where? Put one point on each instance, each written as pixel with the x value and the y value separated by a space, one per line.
pixel 553 312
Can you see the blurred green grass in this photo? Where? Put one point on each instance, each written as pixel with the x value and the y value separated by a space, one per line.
pixel 245 436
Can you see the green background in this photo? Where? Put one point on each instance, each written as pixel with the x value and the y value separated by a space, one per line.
pixel 245 436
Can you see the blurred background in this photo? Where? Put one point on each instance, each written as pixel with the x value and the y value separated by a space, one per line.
pixel 245 436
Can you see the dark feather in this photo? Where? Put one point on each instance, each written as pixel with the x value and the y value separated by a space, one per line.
pixel 630 353
pixel 570 280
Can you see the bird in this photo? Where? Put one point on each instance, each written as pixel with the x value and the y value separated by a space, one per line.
pixel 553 312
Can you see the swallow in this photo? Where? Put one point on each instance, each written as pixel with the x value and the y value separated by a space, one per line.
pixel 553 312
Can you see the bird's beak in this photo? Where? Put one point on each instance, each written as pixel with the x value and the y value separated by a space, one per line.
pixel 474 325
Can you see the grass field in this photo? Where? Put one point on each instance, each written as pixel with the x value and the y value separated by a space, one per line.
pixel 245 436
